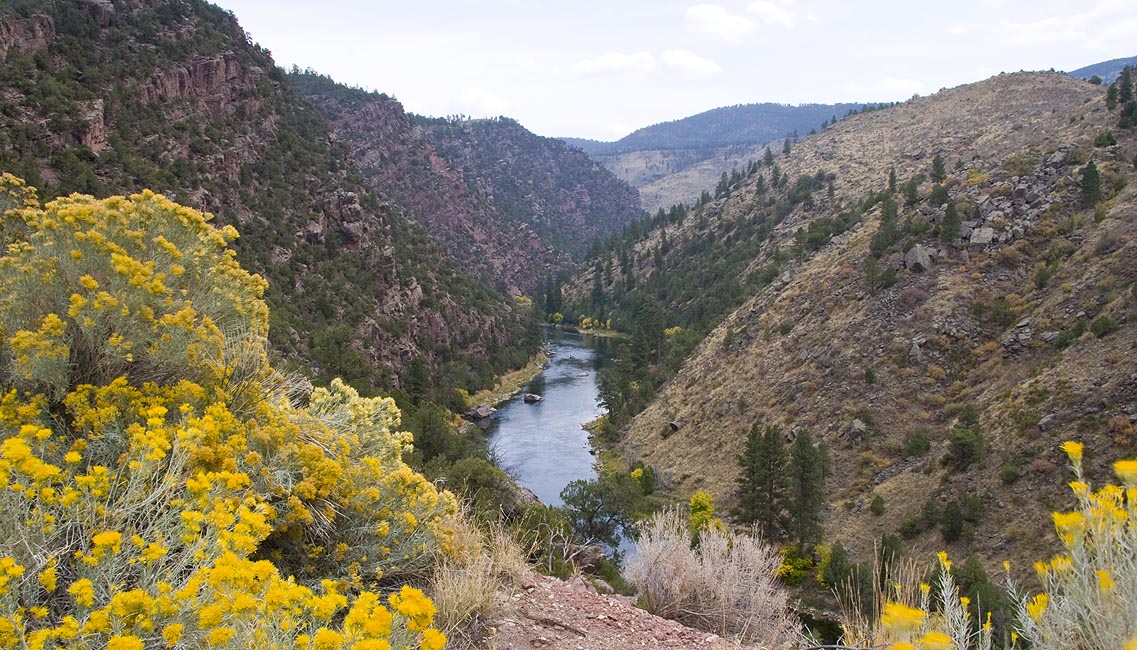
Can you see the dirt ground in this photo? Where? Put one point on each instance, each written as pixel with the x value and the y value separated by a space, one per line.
pixel 545 612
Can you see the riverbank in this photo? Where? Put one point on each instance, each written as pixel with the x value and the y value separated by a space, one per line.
pixel 595 331
pixel 510 383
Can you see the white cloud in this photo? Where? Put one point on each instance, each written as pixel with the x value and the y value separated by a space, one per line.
pixel 772 13
pixel 483 102
pixel 689 62
pixel 616 63
pixel 713 19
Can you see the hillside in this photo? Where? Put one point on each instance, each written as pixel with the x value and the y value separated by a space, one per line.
pixel 673 162
pixel 509 206
pixel 986 332
pixel 106 98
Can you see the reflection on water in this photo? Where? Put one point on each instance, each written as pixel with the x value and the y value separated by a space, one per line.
pixel 543 444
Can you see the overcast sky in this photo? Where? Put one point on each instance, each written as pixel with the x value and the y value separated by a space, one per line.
pixel 603 68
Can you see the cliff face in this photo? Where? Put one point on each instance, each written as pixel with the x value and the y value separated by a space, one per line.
pixel 104 98
pixel 511 207
pixel 987 331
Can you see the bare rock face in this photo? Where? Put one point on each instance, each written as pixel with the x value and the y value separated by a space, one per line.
pixel 218 80
pixel 26 35
pixel 101 10
pixel 511 207
pixel 345 212
pixel 95 135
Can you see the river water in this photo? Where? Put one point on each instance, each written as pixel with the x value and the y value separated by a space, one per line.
pixel 543 444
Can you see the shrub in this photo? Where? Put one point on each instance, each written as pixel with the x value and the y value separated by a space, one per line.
pixel 951 525
pixel 1104 139
pixel 724 584
pixel 965 447
pixel 870 376
pixel 917 444
pixel 877 506
pixel 170 485
pixel 1103 325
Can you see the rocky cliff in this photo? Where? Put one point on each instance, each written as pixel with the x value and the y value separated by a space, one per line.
pixel 110 97
pixel 510 206
pixel 1016 324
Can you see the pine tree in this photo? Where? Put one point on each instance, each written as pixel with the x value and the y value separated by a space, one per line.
pixel 950 226
pixel 1125 86
pixel 1091 184
pixel 768 157
pixel 892 179
pixel 938 171
pixel 1111 96
pixel 786 147
pixel 761 486
pixel 806 492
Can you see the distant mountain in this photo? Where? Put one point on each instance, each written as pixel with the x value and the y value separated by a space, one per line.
pixel 511 207
pixel 1107 70
pixel 673 162
pixel 744 124
pixel 110 98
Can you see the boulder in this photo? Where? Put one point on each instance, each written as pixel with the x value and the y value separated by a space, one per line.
pixel 516 500
pixel 918 258
pixel 982 236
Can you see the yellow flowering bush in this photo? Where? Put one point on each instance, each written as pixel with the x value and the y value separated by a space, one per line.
pixel 159 483
pixel 1090 589
pixel 933 618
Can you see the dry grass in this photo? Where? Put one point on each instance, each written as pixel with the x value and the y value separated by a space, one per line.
pixel 724 585
pixel 464 587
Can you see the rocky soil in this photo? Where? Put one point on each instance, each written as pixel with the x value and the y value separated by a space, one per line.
pixel 544 612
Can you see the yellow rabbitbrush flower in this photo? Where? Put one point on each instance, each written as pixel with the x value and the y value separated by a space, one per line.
pixel 1126 470
pixel 898 617
pixel 175 412
pixel 1088 591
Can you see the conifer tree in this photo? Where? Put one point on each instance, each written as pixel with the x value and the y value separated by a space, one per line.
pixel 1111 96
pixel 938 171
pixel 786 147
pixel 892 179
pixel 1125 86
pixel 1091 184
pixel 768 157
pixel 761 485
pixel 950 226
pixel 806 492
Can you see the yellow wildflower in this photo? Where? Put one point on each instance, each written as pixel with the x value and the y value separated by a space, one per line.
pixel 935 641
pixel 1126 470
pixel 172 633
pixel 47 577
pixel 83 592
pixel 326 639
pixel 415 606
pixel 128 642
pixel 898 617
pixel 220 635
pixel 432 639
pixel 1073 450
pixel 1037 606
pixel 1105 581
pixel 1070 526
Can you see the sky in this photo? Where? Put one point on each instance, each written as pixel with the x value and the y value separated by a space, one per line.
pixel 601 69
